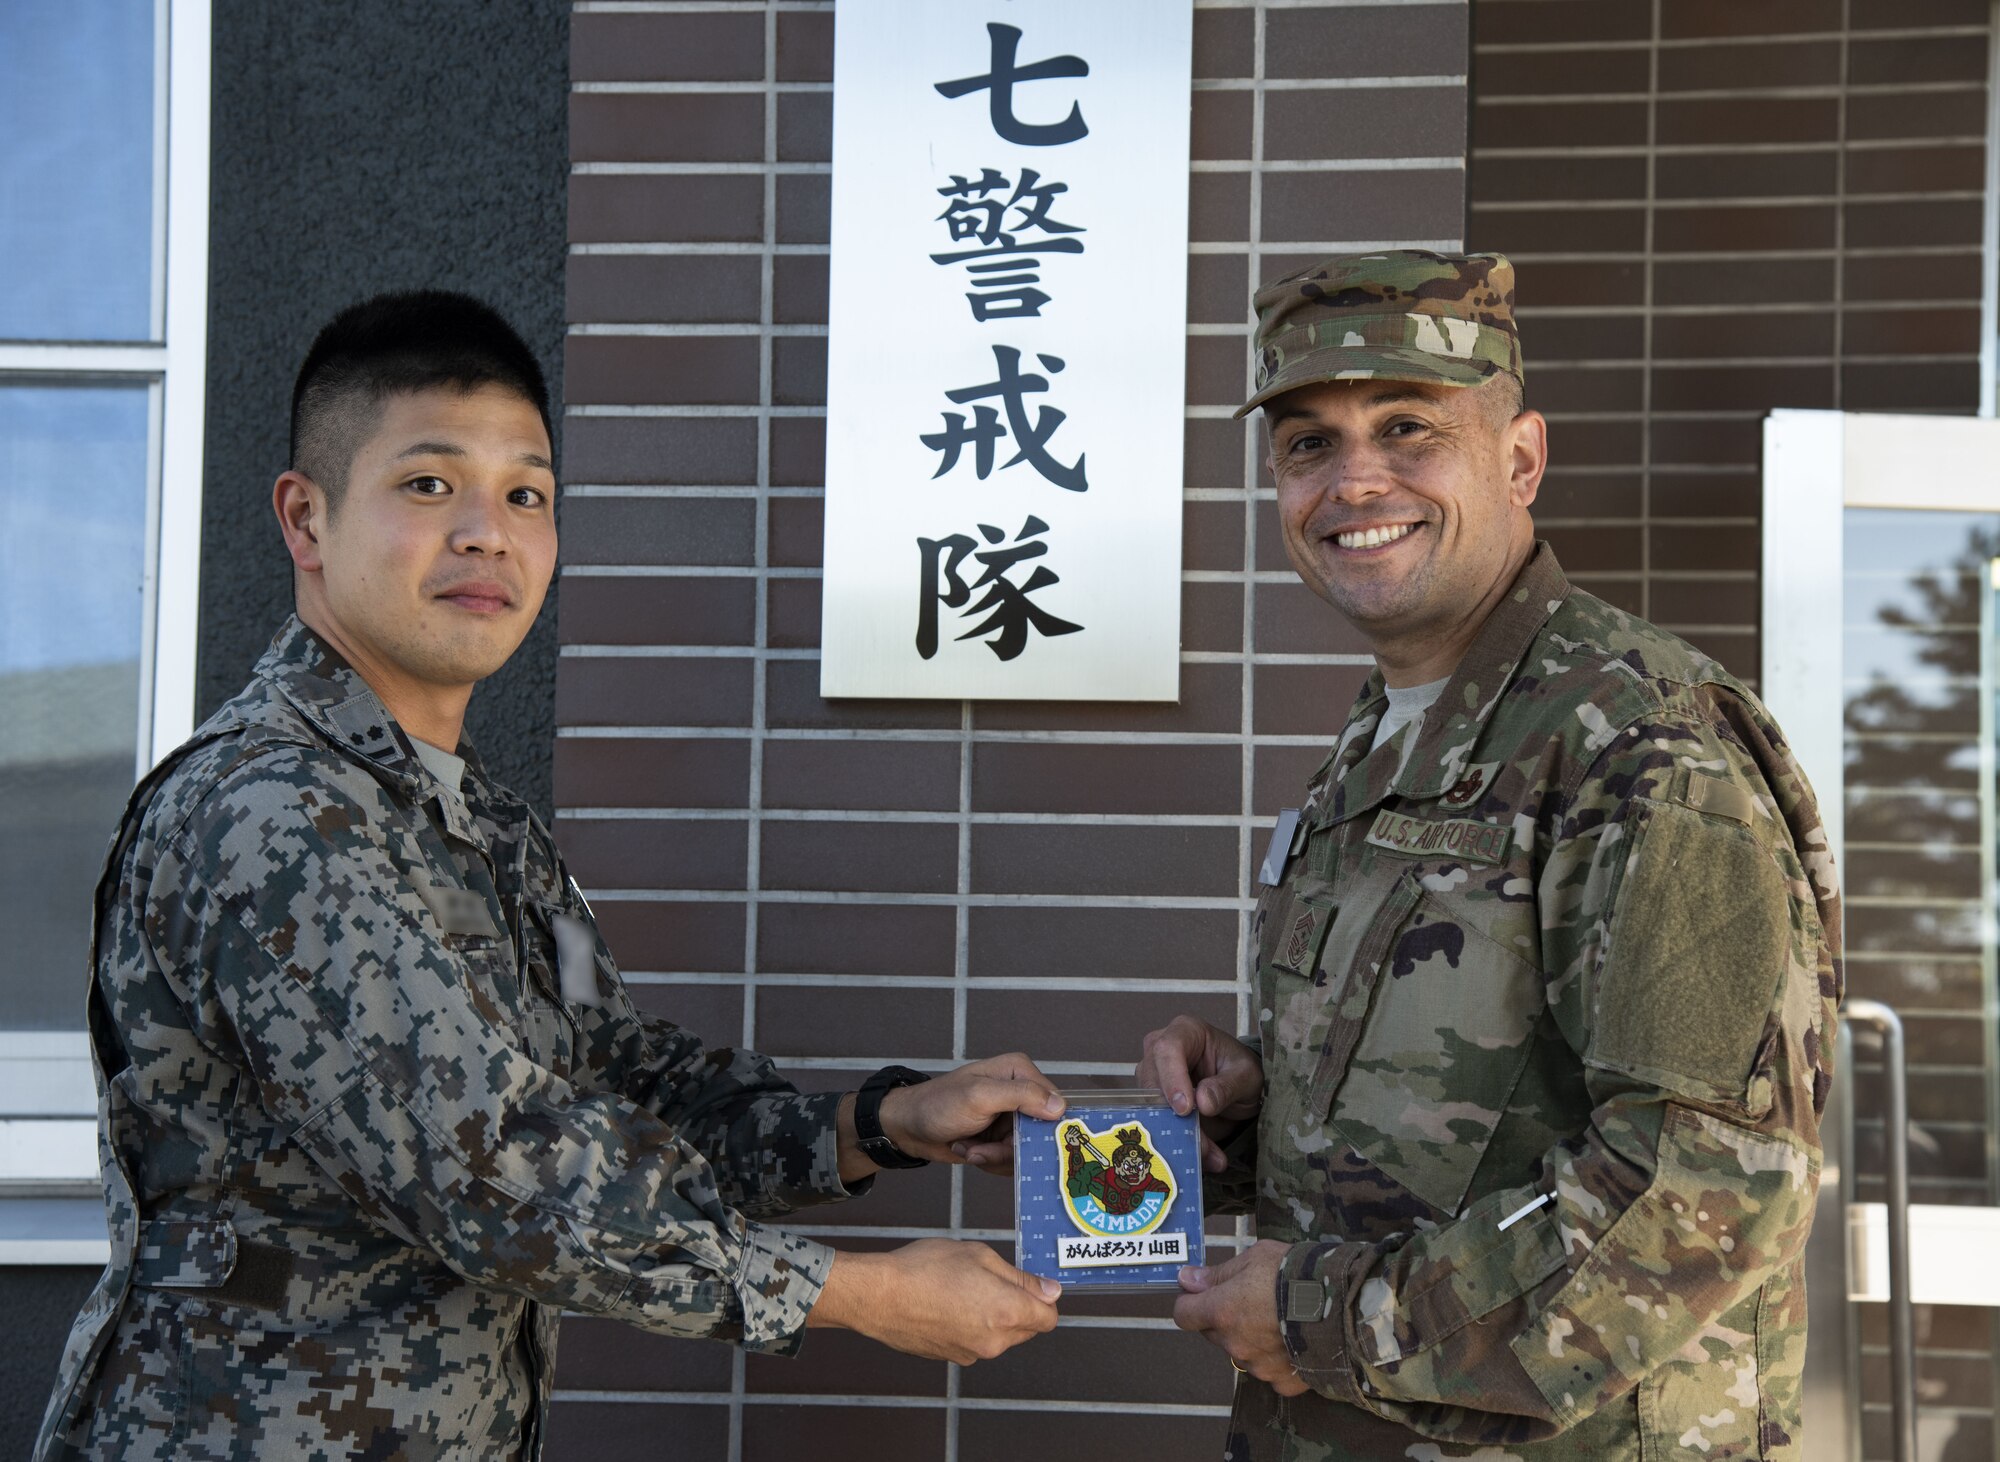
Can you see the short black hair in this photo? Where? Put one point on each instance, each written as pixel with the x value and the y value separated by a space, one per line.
pixel 413 340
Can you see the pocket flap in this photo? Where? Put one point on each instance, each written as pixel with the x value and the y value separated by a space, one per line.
pixel 184 1253
pixel 1356 991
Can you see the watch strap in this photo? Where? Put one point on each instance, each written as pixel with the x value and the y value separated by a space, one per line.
pixel 869 1136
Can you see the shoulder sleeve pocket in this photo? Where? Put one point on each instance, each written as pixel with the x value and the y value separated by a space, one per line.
pixel 1698 943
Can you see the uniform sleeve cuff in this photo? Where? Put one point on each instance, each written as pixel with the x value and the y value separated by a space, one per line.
pixel 778 1284
pixel 1315 1311
pixel 819 1113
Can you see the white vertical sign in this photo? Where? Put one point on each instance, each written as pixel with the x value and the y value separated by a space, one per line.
pixel 1007 345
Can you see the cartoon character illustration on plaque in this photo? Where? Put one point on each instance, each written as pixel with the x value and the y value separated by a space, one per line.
pixel 1121 1195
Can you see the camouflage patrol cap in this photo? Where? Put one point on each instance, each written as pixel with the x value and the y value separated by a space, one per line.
pixel 1392 315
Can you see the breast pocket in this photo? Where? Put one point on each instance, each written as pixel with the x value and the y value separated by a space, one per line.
pixel 1427 1043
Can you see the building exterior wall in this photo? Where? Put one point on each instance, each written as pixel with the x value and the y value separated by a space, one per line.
pixel 844 884
pixel 1718 209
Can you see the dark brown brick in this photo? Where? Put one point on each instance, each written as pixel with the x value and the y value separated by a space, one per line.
pixel 1911 332
pixel 1690 19
pixel 1777 228
pixel 1589 388
pixel 805 202
pixel 1210 702
pixel 1212 533
pixel 1401 121
pixel 798 289
pixel 840 1433
pixel 1218 207
pixel 1367 40
pixel 1911 386
pixel 664 611
pixel 869 857
pixel 1706 495
pixel 652 772
pixel 1082 1025
pixel 1719 337
pixel 856 939
pixel 655 853
pixel 1555 73
pixel 1742 282
pixel 1225 42
pixel 1076 1365
pixel 792 622
pixel 1013 776
pixel 1554 178
pixel 606 1355
pixel 835 1363
pixel 666 127
pixel 1412 203
pixel 1282 774
pixel 1553 338
pixel 1916 14
pixel 692 370
pixel 1561 124
pixel 629 1431
pixel 833 1020
pixel 1603 283
pixel 798 526
pixel 798 451
pixel 798 370
pixel 1908 222
pixel 1600 549
pixel 1873 115
pixel 711 1011
pixel 1709 443
pixel 862 775
pixel 699 208
pixel 1008 1436
pixel 1292 620
pixel 805 126
pixel 1219 127
pixel 793 702
pixel 675 288
pixel 1305 700
pixel 678 938
pixel 710 451
pixel 1705 601
pixel 1912 277
pixel 666 47
pixel 1022 942
pixel 1218 370
pixel 697 691
pixel 1558 20
pixel 1738 388
pixel 1594 443
pixel 1733 121
pixel 1218 289
pixel 1764 175
pixel 660 530
pixel 1752 65
pixel 1698 548
pixel 1587 494
pixel 805 45
pixel 1212 617
pixel 1923 169
pixel 1559 229
pixel 1054 858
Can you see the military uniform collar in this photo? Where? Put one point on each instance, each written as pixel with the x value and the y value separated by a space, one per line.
pixel 1451 728
pixel 331 694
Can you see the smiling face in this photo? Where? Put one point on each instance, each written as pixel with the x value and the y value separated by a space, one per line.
pixel 1405 506
pixel 429 572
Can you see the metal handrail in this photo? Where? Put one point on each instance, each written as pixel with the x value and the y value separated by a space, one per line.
pixel 1902 1314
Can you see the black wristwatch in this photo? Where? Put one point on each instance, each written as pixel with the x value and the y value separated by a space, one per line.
pixel 869 1136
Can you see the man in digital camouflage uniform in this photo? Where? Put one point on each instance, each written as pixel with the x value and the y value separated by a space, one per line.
pixel 374 1104
pixel 1547 973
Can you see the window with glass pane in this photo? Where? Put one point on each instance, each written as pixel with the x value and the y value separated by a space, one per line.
pixel 73 495
pixel 77 170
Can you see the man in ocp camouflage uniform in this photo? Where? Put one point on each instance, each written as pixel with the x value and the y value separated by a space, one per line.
pixel 1547 965
pixel 374 1105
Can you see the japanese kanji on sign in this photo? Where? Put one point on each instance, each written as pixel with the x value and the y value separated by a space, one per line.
pixel 1006 349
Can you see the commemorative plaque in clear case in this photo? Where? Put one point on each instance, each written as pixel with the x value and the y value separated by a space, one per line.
pixel 1108 1195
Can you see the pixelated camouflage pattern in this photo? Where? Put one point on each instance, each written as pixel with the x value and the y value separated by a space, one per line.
pixel 1392 315
pixel 1628 1020
pixel 357 1165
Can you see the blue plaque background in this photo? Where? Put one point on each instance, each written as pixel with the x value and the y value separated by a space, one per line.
pixel 1040 1217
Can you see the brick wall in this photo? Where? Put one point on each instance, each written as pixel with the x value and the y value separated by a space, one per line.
pixel 843 884
pixel 1719 208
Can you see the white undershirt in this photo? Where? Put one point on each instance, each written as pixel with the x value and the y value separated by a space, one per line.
pixel 1407 705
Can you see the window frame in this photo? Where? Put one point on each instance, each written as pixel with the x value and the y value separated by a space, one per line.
pixel 45 1075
